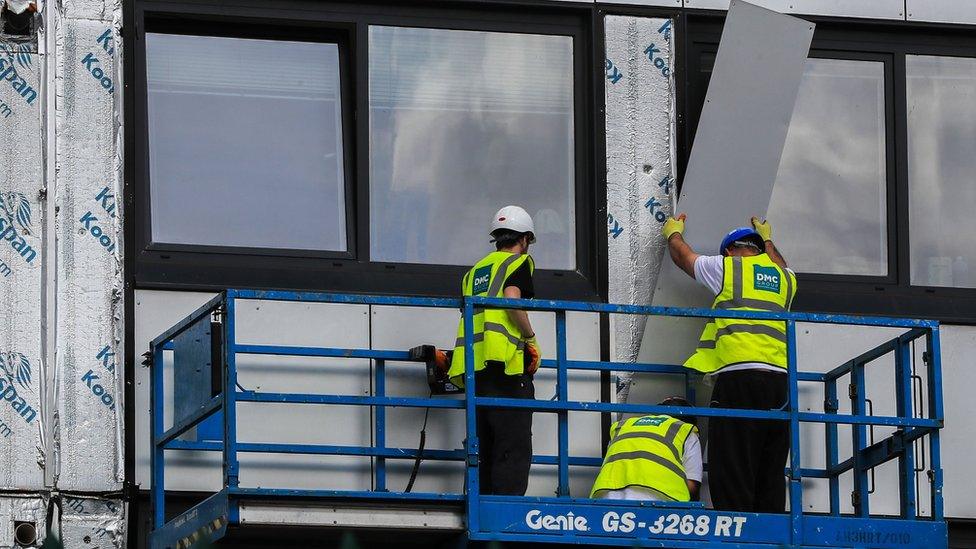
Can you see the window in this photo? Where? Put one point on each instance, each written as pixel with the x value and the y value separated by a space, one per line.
pixel 873 199
pixel 941 94
pixel 462 123
pixel 345 147
pixel 830 191
pixel 245 143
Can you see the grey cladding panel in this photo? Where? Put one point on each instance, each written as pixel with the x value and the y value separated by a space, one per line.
pixel 949 11
pixel 875 9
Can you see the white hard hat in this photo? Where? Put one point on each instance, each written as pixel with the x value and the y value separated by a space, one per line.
pixel 514 218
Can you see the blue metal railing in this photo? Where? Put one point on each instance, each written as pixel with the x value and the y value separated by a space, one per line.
pixel 494 517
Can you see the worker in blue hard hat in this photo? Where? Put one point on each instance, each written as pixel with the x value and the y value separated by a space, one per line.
pixel 746 359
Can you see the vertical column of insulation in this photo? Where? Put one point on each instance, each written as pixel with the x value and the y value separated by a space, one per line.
pixel 89 251
pixel 22 453
pixel 640 167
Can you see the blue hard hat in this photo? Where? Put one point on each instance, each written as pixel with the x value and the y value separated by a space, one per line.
pixel 747 234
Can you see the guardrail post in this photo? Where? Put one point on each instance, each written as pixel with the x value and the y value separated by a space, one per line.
pixel 796 479
pixel 856 392
pixel 231 465
pixel 471 421
pixel 833 453
pixel 903 398
pixel 379 428
pixel 933 348
pixel 156 403
pixel 562 390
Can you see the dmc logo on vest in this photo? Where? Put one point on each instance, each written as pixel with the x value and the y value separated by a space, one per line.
pixel 766 279
pixel 650 420
pixel 481 278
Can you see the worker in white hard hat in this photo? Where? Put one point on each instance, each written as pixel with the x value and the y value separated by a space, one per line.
pixel 506 354
pixel 746 359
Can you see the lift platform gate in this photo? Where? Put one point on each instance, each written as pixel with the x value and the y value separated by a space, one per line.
pixel 206 389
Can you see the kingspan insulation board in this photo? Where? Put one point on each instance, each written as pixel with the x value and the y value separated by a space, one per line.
pixel 14 509
pixel 21 230
pixel 94 523
pixel 89 270
pixel 640 168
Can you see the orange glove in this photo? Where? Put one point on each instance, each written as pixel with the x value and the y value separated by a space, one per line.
pixel 533 357
pixel 441 360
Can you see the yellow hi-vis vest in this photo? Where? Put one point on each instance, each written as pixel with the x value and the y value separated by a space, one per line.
pixel 496 337
pixel 649 452
pixel 752 283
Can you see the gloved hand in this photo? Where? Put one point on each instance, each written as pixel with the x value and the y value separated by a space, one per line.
pixel 533 356
pixel 673 226
pixel 764 229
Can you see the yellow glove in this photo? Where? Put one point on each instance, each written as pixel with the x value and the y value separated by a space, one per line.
pixel 672 226
pixel 764 229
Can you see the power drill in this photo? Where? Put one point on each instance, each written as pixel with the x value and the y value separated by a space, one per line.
pixel 437 362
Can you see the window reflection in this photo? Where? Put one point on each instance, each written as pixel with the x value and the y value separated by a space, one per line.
pixel 245 141
pixel 828 205
pixel 942 170
pixel 462 123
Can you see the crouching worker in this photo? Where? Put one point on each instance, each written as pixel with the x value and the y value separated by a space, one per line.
pixel 655 457
pixel 506 354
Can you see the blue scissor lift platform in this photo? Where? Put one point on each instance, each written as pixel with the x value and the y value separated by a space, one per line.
pixel 207 337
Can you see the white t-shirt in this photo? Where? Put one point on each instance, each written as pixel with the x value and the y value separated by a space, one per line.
pixel 691 461
pixel 710 273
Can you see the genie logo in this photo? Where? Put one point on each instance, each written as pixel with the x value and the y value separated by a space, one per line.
pixel 16 370
pixel 569 522
pixel 482 277
pixel 766 278
pixel 15 223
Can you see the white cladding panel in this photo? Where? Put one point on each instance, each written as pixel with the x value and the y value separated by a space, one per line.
pixel 948 11
pixel 351 326
pixel 959 435
pixel 875 9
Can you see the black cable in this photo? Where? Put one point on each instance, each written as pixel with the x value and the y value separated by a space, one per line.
pixel 420 448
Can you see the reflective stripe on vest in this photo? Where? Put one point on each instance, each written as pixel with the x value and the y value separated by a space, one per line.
pixel 753 283
pixel 648 452
pixel 495 337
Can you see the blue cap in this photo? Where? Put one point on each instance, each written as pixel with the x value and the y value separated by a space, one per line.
pixel 742 233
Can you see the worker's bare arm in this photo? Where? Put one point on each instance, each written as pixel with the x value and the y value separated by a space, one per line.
pixel 693 488
pixel 774 254
pixel 519 317
pixel 682 254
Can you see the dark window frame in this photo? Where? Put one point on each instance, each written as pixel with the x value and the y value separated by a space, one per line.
pixel 347 91
pixel 891 295
pixel 190 267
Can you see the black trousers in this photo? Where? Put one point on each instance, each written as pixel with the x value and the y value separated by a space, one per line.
pixel 504 436
pixel 746 457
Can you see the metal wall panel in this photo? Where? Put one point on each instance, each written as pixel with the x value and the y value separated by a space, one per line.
pixel 399 328
pixel 959 435
pixel 280 323
pixel 947 11
pixel 874 9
